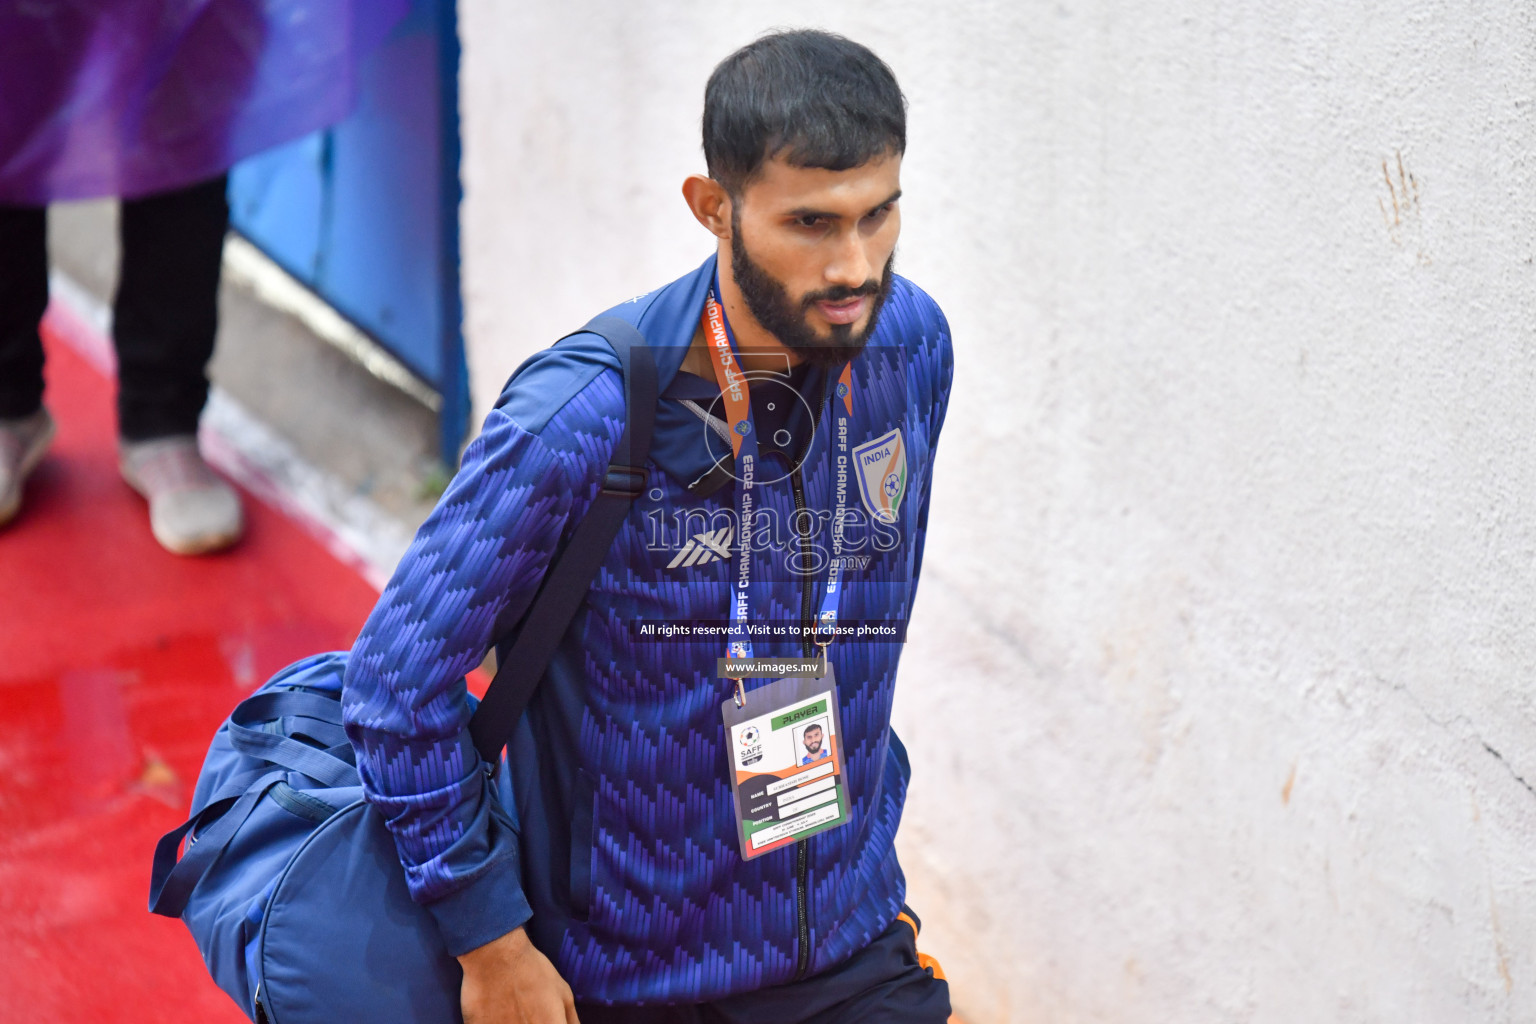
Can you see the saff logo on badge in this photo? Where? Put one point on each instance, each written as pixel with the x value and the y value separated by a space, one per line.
pixel 750 749
pixel 882 472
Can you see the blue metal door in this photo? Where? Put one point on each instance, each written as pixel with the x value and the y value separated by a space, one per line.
pixel 366 212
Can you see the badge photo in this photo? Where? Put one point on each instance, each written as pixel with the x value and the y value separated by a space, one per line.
pixel 881 468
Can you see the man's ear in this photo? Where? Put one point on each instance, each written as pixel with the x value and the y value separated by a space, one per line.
pixel 710 203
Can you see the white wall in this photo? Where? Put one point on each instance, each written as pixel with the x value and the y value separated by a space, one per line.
pixel 1220 695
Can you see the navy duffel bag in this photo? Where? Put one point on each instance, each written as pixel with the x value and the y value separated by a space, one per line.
pixel 289 880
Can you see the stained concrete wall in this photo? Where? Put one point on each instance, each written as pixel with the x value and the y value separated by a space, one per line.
pixel 1220 690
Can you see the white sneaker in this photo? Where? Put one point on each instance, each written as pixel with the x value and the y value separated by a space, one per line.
pixel 22 444
pixel 191 510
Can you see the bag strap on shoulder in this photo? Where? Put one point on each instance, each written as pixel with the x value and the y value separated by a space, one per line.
pixel 566 584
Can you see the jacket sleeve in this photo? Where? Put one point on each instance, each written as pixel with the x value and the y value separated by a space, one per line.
pixel 481 554
pixel 936 394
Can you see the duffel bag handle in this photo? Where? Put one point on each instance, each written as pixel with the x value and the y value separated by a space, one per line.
pixel 323 766
pixel 320 713
pixel 171 882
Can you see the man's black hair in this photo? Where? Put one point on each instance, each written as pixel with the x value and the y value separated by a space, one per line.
pixel 815 98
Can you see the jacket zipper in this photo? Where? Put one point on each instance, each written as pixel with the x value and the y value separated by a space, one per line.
pixel 807 599
pixel 807 617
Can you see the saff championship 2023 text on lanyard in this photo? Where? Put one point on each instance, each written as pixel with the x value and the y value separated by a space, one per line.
pixel 785 737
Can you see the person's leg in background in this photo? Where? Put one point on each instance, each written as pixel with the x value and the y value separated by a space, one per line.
pixel 165 316
pixel 25 426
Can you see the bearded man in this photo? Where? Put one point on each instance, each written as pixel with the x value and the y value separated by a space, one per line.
pixel 618 868
pixel 813 739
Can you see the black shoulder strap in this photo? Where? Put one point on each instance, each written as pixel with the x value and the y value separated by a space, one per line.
pixel 567 582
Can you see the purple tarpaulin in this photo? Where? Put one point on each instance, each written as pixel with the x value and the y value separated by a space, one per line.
pixel 130 97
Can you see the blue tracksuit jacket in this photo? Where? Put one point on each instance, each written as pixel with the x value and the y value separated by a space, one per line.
pixel 612 835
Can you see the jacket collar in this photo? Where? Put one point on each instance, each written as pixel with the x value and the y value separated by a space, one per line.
pixel 668 318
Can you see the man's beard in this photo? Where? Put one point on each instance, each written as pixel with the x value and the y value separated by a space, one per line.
pixel 769 301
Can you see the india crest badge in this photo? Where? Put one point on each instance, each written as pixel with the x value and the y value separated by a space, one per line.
pixel 881 468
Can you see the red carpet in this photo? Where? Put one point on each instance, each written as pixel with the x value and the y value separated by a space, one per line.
pixel 117 662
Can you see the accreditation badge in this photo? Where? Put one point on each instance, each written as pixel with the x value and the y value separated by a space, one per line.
pixel 786 763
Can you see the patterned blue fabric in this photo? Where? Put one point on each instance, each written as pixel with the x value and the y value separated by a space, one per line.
pixel 625 857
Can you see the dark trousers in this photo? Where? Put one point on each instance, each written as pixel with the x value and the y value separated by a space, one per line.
pixel 880 984
pixel 164 316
